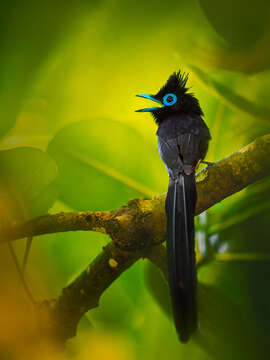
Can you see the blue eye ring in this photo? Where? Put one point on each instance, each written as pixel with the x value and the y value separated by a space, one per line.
pixel 169 103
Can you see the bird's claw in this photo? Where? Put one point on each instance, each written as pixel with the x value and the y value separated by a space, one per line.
pixel 207 163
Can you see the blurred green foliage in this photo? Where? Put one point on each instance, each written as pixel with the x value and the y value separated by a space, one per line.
pixel 69 135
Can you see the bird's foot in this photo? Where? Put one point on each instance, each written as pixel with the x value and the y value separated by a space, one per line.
pixel 207 163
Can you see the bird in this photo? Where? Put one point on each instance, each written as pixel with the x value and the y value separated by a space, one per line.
pixel 182 139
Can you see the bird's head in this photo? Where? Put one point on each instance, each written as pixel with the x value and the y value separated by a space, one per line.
pixel 172 98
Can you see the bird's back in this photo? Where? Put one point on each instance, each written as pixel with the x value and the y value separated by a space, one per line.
pixel 182 139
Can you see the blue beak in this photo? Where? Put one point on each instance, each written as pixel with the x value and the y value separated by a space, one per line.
pixel 150 97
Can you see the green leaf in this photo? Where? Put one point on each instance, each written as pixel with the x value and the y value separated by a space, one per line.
pixel 26 177
pixel 240 25
pixel 7 122
pixel 103 164
pixel 158 287
pixel 233 309
pixel 231 98
pixel 30 32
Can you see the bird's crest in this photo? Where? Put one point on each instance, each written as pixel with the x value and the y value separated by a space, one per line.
pixel 176 83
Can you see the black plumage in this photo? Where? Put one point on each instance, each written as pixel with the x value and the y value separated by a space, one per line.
pixel 182 138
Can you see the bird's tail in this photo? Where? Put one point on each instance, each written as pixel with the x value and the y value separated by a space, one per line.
pixel 180 209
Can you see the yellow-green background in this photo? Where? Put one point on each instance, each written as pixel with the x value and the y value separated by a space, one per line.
pixel 70 140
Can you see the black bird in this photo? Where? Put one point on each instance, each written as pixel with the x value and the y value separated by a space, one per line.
pixel 182 138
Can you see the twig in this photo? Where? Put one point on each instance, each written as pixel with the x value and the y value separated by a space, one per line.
pixel 20 273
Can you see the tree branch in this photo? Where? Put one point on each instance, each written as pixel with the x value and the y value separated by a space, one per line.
pixel 142 222
pixel 134 229
pixel 84 292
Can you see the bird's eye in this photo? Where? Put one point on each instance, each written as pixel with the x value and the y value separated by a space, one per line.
pixel 169 99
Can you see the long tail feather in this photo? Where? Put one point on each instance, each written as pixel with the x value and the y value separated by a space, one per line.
pixel 180 209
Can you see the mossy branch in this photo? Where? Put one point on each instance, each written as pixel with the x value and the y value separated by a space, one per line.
pixel 84 293
pixel 136 231
pixel 142 222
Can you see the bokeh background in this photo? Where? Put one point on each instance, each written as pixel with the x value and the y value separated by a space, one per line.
pixel 70 140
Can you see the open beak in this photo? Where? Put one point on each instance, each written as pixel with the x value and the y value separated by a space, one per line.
pixel 150 97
